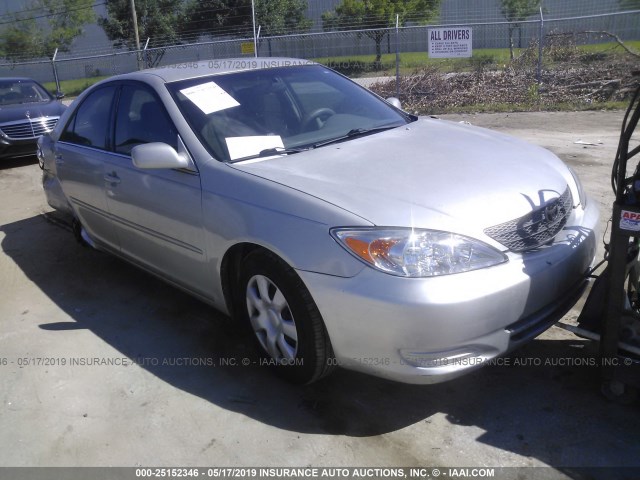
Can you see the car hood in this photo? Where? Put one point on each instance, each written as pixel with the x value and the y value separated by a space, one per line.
pixel 11 113
pixel 429 174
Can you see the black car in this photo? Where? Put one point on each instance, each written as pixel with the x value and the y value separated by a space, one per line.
pixel 27 110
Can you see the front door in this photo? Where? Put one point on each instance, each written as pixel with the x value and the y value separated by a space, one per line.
pixel 157 213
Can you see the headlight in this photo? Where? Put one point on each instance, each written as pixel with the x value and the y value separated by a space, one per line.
pixel 417 252
pixel 581 193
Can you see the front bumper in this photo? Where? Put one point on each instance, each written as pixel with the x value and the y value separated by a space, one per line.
pixel 10 148
pixel 428 330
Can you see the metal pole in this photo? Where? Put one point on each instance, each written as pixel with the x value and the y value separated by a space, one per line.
pixel 258 40
pixel 540 42
pixel 398 57
pixel 255 36
pixel 55 72
pixel 144 51
pixel 134 17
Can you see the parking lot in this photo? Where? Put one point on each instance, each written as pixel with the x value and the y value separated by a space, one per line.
pixel 104 365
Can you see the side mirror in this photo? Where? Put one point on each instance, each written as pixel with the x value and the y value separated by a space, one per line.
pixel 395 102
pixel 157 155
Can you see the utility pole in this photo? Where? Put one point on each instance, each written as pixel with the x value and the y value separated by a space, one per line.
pixel 255 37
pixel 135 30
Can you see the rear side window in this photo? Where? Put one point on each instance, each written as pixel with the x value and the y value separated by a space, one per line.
pixel 142 119
pixel 89 125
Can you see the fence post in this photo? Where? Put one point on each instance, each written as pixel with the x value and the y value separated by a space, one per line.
pixel 257 45
pixel 144 55
pixel 55 71
pixel 398 57
pixel 540 42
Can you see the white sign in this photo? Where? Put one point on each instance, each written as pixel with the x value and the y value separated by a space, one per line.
pixel 209 97
pixel 453 42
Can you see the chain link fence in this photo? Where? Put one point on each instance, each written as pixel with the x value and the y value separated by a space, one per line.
pixel 353 52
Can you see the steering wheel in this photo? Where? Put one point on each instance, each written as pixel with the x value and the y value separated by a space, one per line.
pixel 315 115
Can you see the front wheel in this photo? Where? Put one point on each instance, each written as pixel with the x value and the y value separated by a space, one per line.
pixel 284 319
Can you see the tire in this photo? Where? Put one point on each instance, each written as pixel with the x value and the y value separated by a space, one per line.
pixel 284 319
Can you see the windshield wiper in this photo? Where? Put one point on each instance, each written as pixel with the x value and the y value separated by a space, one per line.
pixel 270 152
pixel 353 133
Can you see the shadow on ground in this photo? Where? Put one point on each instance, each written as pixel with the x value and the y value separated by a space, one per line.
pixel 9 163
pixel 534 411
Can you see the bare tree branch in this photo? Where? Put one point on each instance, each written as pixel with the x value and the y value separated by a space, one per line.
pixel 617 39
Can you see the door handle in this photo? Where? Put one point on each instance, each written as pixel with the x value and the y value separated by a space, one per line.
pixel 112 178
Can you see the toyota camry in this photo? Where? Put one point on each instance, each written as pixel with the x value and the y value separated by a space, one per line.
pixel 342 230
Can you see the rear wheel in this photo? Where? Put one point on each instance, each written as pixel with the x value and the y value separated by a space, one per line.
pixel 284 319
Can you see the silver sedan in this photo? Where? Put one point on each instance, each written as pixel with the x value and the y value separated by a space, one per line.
pixel 341 229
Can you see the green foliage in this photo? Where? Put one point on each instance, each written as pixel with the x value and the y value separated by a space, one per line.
pixel 67 26
pixel 519 10
pixel 73 88
pixel 60 22
pixel 171 22
pixel 21 39
pixel 280 17
pixel 533 93
pixel 375 16
pixel 158 20
pixel 516 11
pixel 275 17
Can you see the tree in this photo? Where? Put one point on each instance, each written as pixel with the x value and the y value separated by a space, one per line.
pixel 375 17
pixel 516 11
pixel 282 17
pixel 209 16
pixel 63 20
pixel 21 39
pixel 159 20
pixel 275 17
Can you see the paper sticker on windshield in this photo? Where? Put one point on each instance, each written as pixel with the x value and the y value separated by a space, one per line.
pixel 209 97
pixel 240 147
pixel 630 221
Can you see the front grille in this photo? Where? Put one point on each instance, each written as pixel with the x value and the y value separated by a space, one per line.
pixel 29 128
pixel 535 228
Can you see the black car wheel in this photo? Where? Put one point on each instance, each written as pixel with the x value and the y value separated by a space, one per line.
pixel 284 319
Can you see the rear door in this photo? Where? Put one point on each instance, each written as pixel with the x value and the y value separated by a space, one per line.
pixel 80 154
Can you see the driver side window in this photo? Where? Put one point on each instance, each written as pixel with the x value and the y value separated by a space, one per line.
pixel 141 118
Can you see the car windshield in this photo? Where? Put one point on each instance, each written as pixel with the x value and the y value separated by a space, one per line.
pixel 279 111
pixel 14 92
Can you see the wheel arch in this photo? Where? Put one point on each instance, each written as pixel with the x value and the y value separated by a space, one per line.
pixel 230 273
pixel 239 267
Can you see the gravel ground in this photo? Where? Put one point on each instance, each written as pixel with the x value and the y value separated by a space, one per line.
pixel 63 303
